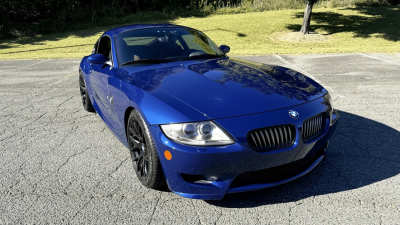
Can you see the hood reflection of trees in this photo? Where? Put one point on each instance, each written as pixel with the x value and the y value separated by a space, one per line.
pixel 150 80
pixel 265 79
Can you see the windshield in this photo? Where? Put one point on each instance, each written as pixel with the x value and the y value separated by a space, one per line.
pixel 158 44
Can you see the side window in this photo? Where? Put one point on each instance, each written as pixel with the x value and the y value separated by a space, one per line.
pixel 105 47
pixel 198 42
pixel 94 51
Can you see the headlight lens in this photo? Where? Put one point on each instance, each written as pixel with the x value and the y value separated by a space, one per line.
pixel 201 133
pixel 333 113
pixel 330 100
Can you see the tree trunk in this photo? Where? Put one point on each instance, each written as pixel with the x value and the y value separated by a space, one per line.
pixel 305 28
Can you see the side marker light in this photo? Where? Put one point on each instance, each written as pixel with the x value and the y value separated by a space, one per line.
pixel 168 155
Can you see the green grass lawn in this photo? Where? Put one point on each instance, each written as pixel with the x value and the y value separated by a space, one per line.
pixel 338 30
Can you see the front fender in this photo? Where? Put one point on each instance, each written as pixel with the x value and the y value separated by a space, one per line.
pixel 155 109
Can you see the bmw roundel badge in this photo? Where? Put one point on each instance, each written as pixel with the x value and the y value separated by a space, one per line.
pixel 294 114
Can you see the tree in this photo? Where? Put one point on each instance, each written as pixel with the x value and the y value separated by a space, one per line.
pixel 305 28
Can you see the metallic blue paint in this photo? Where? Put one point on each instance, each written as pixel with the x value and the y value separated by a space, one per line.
pixel 225 49
pixel 236 94
pixel 97 59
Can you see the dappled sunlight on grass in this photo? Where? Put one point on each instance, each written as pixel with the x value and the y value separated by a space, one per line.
pixel 361 21
pixel 358 29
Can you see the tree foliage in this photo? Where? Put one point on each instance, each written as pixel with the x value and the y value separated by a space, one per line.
pixel 28 17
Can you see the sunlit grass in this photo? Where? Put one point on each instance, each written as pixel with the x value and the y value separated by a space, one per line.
pixel 366 29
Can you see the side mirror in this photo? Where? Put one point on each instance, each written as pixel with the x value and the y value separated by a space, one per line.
pixel 225 48
pixel 97 59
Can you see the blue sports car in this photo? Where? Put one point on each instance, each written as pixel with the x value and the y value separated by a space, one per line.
pixel 201 122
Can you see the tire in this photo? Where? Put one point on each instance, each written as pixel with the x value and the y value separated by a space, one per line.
pixel 146 162
pixel 87 104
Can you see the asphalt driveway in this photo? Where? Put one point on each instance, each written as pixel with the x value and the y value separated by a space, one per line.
pixel 60 164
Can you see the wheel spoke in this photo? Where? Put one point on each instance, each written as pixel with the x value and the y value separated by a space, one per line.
pixel 135 156
pixel 146 158
pixel 141 163
pixel 137 129
pixel 134 143
pixel 139 167
pixel 131 130
pixel 138 154
pixel 145 166
pixel 142 138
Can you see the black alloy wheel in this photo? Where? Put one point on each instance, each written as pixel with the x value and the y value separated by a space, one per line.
pixel 143 153
pixel 87 104
pixel 138 147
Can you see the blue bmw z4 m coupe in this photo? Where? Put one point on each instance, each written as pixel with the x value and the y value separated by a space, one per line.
pixel 201 122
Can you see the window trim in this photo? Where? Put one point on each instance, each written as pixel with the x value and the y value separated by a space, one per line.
pixel 96 45
pixel 111 46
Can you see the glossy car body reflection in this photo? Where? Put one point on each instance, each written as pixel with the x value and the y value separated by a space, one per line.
pixel 239 96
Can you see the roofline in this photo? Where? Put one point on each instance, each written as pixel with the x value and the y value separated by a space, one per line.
pixel 130 27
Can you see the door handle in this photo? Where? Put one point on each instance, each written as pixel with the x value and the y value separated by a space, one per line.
pixel 110 99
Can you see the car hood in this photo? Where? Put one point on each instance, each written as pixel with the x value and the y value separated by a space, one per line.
pixel 223 88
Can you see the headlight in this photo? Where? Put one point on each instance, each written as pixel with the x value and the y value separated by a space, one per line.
pixel 201 133
pixel 333 113
pixel 330 100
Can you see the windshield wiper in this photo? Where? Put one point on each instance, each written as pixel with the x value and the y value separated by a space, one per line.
pixel 169 59
pixel 206 56
pixel 146 61
pixel 202 56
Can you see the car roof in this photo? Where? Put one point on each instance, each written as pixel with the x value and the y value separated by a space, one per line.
pixel 122 29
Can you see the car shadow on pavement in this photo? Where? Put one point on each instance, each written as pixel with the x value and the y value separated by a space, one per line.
pixel 361 152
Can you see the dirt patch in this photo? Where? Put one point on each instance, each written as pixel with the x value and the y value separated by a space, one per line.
pixel 299 37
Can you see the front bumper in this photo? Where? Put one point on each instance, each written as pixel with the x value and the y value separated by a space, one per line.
pixel 208 172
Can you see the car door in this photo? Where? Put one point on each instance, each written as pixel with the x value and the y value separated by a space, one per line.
pixel 100 83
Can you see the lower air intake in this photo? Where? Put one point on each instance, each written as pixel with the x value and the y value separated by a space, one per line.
pixel 275 174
